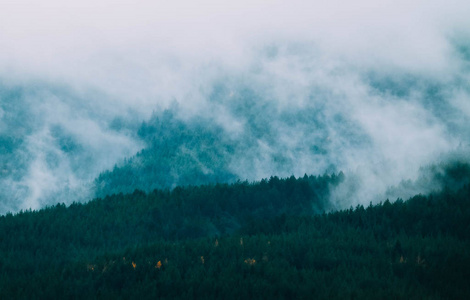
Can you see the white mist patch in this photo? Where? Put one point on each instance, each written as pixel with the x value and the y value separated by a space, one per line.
pixel 461 101
pixel 64 143
pixel 312 115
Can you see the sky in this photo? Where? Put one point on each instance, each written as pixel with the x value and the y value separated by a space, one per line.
pixel 375 63
pixel 99 43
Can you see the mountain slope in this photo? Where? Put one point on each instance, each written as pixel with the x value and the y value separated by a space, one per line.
pixel 240 240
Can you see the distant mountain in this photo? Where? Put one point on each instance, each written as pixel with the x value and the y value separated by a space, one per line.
pixel 54 141
pixel 60 144
pixel 177 153
pixel 242 136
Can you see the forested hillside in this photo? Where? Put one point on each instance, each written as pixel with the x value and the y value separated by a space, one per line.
pixel 245 240
pixel 45 157
pixel 177 153
pixel 253 139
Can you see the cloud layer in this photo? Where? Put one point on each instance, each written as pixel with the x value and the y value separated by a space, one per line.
pixel 389 82
pixel 166 47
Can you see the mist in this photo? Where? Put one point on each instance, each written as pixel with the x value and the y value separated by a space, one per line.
pixel 377 90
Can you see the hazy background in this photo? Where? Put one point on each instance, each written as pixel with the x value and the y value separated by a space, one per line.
pixel 377 90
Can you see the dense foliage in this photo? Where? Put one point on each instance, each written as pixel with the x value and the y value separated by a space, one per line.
pixel 176 154
pixel 251 139
pixel 251 240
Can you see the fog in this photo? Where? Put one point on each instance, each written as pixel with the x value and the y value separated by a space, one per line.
pixel 388 81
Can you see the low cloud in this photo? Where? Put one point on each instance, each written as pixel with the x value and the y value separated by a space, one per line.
pixel 386 83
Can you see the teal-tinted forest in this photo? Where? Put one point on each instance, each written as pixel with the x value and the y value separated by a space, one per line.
pixel 276 238
pixel 234 149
